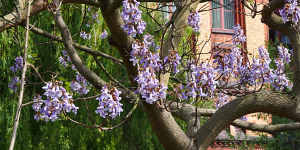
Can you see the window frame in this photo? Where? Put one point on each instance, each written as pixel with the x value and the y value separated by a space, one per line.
pixel 222 10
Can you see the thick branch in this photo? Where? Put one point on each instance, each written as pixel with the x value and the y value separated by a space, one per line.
pixel 266 128
pixel 188 112
pixel 163 124
pixel 119 38
pixel 274 21
pixel 91 76
pixel 268 102
pixel 88 74
pixel 295 40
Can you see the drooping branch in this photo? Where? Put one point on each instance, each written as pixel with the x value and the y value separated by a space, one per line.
pixel 91 76
pixel 264 101
pixel 110 76
pixel 76 45
pixel 88 74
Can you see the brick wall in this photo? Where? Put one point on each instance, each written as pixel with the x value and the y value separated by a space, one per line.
pixel 256 32
pixel 257 35
pixel 205 30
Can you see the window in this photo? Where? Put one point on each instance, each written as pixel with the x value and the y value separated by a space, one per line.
pixel 223 15
pixel 167 9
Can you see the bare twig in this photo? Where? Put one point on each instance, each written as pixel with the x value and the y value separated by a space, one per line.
pixel 21 94
pixel 36 71
pixel 80 47
pixel 108 74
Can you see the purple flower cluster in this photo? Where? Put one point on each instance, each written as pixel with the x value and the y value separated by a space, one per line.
pixel 65 60
pixel 221 100
pixel 132 18
pixel 194 21
pixel 228 64
pixel 290 12
pixel 279 78
pixel 57 100
pixel 201 81
pixel 149 86
pixel 80 85
pixel 172 61
pixel 148 64
pixel 238 35
pixel 259 71
pixel 109 103
pixel 142 54
pixel 233 65
pixel 18 64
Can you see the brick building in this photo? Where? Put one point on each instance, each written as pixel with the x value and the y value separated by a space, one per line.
pixel 217 25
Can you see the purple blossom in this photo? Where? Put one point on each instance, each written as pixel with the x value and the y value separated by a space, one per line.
pixel 290 12
pixel 228 65
pixel 145 56
pixel 149 87
pixel 109 103
pixel 104 34
pixel 238 35
pixel 221 100
pixel 284 15
pixel 57 100
pixel 38 102
pixel 18 64
pixel 279 79
pixel 132 18
pixel 13 84
pixel 194 21
pixel 142 56
pixel 259 72
pixel 80 85
pixel 284 54
pixel 85 35
pixel 63 61
pixel 201 81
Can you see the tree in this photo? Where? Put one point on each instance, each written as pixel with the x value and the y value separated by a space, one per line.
pixel 140 58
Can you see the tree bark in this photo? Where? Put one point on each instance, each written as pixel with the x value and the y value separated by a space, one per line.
pixel 264 101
